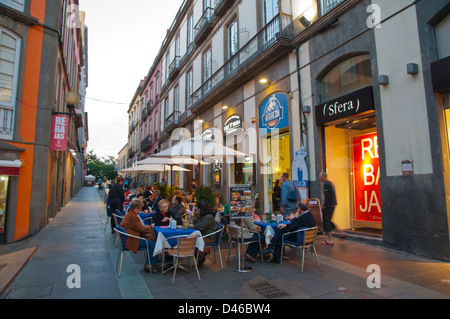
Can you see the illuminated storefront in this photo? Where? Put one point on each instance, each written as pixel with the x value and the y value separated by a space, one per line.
pixel 351 143
pixel 275 144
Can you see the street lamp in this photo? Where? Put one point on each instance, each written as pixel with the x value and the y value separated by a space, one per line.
pixel 71 100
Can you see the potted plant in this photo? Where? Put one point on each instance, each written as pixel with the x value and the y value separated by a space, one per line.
pixel 205 194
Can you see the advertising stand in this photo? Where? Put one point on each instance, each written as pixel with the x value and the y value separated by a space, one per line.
pixel 316 210
pixel 241 206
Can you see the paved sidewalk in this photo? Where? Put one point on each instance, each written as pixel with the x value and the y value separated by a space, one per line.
pixel 78 236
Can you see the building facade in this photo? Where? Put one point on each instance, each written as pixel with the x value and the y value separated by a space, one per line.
pixel 354 88
pixel 42 55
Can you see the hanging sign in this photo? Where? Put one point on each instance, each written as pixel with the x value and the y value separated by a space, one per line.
pixel 274 113
pixel 60 128
pixel 366 174
pixel 231 124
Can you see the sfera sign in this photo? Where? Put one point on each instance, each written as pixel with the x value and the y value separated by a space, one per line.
pixel 358 102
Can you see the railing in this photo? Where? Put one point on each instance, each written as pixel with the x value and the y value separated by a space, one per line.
pixel 149 106
pixel 328 5
pixel 174 68
pixel 172 120
pixel 279 27
pixel 202 25
pixel 6 123
pixel 131 151
pixel 146 142
pixel 144 113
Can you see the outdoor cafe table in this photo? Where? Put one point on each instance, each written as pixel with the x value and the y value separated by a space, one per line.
pixel 269 228
pixel 164 232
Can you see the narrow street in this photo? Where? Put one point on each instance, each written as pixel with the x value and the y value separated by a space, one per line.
pixel 77 236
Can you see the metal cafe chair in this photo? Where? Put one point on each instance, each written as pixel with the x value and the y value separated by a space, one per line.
pixel 118 220
pixel 234 238
pixel 216 244
pixel 306 238
pixel 185 248
pixel 123 234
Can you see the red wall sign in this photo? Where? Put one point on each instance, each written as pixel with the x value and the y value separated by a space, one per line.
pixel 366 177
pixel 59 133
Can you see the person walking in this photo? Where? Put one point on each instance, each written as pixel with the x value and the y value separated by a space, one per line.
pixel 290 196
pixel 276 195
pixel 328 207
pixel 116 199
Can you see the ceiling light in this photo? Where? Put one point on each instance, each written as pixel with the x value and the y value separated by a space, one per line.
pixel 263 81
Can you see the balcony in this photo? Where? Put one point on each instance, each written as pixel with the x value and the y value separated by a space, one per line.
pixel 174 68
pixel 172 121
pixel 150 106
pixel 221 6
pixel 146 143
pixel 204 26
pixel 269 44
pixel 144 113
pixel 131 151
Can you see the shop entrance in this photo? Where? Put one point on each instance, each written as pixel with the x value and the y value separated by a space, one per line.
pixel 277 148
pixel 4 182
pixel 352 161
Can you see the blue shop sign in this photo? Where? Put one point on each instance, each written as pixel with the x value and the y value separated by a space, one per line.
pixel 274 113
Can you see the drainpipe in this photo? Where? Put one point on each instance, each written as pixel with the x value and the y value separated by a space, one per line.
pixel 303 122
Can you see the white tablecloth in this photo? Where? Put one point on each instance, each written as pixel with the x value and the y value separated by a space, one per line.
pixel 161 240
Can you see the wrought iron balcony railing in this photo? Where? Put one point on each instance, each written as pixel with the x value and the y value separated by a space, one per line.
pixel 174 68
pixel 204 25
pixel 172 121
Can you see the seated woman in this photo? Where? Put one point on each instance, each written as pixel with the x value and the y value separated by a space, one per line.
pixel 179 208
pixel 145 208
pixel 251 233
pixel 163 215
pixel 206 224
pixel 133 226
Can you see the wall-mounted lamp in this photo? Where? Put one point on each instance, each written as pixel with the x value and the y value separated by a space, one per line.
pixel 412 68
pixel 305 22
pixel 225 107
pixel 383 80
pixel 263 81
pixel 71 100
pixel 307 109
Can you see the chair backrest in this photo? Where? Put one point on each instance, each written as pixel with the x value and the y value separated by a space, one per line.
pixel 233 231
pixel 309 236
pixel 219 234
pixel 117 219
pixel 186 245
pixel 119 212
pixel 123 237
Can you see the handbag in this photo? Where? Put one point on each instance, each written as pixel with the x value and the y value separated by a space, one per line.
pixel 149 234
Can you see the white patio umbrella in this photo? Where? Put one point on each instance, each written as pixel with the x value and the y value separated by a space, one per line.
pixel 198 149
pixel 152 168
pixel 89 178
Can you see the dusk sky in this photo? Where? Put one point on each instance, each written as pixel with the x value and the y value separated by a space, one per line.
pixel 124 39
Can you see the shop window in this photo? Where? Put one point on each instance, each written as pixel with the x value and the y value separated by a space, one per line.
pixel 348 76
pixel 3 200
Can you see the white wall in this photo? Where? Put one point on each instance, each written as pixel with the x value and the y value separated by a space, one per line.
pixel 405 128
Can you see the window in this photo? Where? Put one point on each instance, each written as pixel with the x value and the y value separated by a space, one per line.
pixel 207 65
pixel 190 30
pixel 166 108
pixel 177 46
pixel 167 65
pixel 189 88
pixel 15 4
pixel 443 41
pixel 233 45
pixel 270 10
pixel 9 68
pixel 351 75
pixel 328 5
pixel 156 88
pixel 176 99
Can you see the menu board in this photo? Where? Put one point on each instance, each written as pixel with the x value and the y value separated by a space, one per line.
pixel 241 201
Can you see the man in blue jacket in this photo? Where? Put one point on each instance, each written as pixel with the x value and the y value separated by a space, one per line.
pixel 303 218
pixel 290 196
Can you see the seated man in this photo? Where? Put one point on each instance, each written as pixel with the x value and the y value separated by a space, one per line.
pixel 303 218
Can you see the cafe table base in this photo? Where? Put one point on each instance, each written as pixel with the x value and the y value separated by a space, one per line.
pixel 241 268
